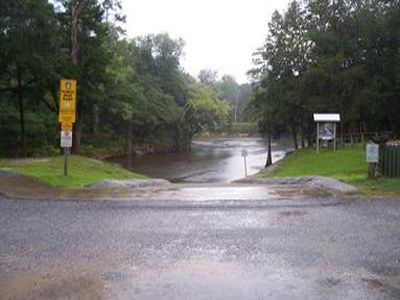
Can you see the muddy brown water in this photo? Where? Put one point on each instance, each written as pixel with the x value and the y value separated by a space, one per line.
pixel 210 160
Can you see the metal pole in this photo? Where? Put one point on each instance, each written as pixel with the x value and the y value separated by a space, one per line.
pixel 66 153
pixel 245 166
pixel 334 137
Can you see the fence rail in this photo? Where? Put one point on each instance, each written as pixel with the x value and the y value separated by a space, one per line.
pixel 390 161
pixel 357 138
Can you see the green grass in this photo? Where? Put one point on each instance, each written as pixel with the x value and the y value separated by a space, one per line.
pixel 81 170
pixel 348 165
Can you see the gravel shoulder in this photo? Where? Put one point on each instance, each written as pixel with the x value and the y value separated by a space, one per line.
pixel 317 182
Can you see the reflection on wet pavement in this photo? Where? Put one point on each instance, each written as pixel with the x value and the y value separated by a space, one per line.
pixel 210 193
pixel 213 160
pixel 205 192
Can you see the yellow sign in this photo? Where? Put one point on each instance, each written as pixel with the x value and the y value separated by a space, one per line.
pixel 67 101
pixel 66 126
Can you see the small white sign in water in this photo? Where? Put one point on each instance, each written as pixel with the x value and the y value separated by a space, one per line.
pixel 244 154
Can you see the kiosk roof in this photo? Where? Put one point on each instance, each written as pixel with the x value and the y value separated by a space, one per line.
pixel 327 117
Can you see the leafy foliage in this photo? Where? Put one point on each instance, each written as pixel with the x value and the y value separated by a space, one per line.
pixel 128 90
pixel 330 56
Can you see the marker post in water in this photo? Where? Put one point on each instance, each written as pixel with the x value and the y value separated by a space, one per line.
pixel 244 154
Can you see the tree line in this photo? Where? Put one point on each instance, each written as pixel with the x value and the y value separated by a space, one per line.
pixel 329 56
pixel 129 90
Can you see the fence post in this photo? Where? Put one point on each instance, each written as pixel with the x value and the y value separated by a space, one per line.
pixel 390 161
pixel 397 162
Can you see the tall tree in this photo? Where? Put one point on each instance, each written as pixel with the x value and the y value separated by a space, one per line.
pixel 85 23
pixel 229 89
pixel 208 77
pixel 28 35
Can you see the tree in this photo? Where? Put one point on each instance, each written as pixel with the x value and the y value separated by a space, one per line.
pixel 332 56
pixel 283 60
pixel 266 112
pixel 229 89
pixel 204 111
pixel 28 35
pixel 85 24
pixel 208 77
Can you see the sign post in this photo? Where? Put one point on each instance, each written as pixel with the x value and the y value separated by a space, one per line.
pixel 372 159
pixel 326 128
pixel 67 116
pixel 244 154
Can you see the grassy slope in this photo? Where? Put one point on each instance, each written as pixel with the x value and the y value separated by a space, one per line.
pixel 348 165
pixel 81 170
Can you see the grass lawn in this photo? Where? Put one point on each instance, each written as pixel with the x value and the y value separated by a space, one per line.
pixel 81 170
pixel 348 165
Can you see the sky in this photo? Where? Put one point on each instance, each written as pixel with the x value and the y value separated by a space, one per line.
pixel 219 34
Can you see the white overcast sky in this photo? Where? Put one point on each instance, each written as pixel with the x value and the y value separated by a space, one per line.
pixel 218 34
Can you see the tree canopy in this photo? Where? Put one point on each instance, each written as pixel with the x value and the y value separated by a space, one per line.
pixel 129 90
pixel 330 56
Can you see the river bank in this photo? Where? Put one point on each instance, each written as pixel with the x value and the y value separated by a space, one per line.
pixel 211 160
pixel 82 171
pixel 345 164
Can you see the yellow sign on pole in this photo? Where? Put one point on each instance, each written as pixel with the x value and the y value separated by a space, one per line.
pixel 66 126
pixel 67 102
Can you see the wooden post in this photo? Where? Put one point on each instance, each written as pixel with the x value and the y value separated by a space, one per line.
pixel 372 170
pixel 317 137
pixel 341 134
pixel 334 136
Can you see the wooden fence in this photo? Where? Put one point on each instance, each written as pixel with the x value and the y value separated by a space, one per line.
pixel 390 161
pixel 357 138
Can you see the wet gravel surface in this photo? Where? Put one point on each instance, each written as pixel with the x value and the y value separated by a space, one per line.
pixel 266 249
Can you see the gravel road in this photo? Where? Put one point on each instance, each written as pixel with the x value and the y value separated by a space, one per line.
pixel 326 248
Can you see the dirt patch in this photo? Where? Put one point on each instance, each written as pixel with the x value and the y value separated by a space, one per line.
pixel 330 282
pixel 292 213
pixel 26 161
pixel 300 191
pixel 53 283
pixel 373 283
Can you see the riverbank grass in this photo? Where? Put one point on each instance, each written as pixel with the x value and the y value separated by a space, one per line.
pixel 348 165
pixel 81 170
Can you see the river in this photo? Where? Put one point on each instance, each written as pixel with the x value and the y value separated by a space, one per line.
pixel 210 160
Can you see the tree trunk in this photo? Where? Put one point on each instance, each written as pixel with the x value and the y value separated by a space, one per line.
pixel 309 139
pixel 21 115
pixel 341 134
pixel 294 133
pixel 269 152
pixel 129 148
pixel 95 120
pixel 235 111
pixel 76 136
pixel 75 15
pixel 303 142
pixel 53 91
pixel 74 51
